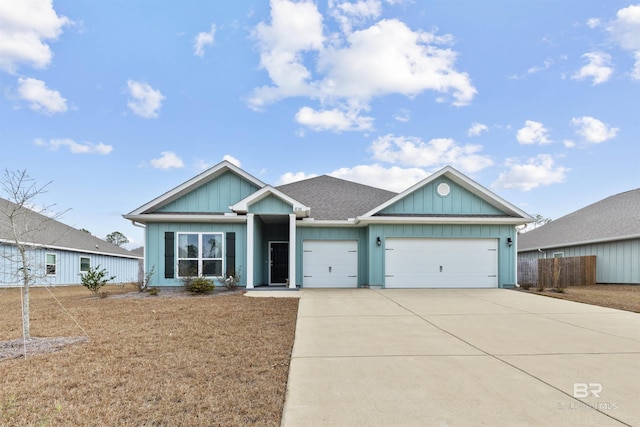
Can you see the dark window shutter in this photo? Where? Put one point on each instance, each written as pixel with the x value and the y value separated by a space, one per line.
pixel 231 254
pixel 169 255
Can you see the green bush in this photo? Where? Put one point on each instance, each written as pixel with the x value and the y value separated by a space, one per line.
pixel 198 285
pixel 95 278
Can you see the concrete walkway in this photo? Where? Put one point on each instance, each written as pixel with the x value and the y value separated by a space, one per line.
pixel 460 357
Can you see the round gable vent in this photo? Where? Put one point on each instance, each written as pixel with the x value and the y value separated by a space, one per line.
pixel 443 189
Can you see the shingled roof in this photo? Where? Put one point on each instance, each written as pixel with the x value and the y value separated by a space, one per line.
pixel 614 218
pixel 49 233
pixel 335 199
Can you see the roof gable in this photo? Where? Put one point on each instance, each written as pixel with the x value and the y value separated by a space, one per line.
pixel 614 218
pixel 269 200
pixel 214 190
pixel 459 196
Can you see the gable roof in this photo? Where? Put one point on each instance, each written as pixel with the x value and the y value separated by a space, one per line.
pixel 614 218
pixel 243 205
pixel 335 199
pixel 197 181
pixel 52 234
pixel 515 214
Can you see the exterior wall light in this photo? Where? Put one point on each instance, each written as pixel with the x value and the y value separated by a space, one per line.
pixel 378 241
pixel 509 241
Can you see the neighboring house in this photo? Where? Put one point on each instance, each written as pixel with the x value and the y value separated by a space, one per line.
pixel 446 231
pixel 608 229
pixel 58 253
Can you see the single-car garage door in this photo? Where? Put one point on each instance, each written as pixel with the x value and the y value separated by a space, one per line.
pixel 441 263
pixel 330 264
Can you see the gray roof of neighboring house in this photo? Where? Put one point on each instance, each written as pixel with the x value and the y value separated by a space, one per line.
pixel 335 199
pixel 53 234
pixel 614 218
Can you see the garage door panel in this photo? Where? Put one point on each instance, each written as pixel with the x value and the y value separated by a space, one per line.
pixel 441 263
pixel 330 263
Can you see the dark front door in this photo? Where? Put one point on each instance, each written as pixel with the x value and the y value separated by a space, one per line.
pixel 279 262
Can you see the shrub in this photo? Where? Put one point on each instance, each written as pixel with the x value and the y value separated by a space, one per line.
pixel 231 280
pixel 95 278
pixel 198 285
pixel 154 291
pixel 525 286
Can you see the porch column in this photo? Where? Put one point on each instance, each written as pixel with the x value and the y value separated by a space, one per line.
pixel 292 251
pixel 250 244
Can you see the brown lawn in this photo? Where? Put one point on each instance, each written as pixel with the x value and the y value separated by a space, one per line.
pixel 157 361
pixel 622 297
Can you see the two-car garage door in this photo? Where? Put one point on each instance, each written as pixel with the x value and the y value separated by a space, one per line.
pixel 441 263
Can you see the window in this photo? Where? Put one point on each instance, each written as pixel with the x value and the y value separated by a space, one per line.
pixel 200 254
pixel 51 264
pixel 558 254
pixel 85 264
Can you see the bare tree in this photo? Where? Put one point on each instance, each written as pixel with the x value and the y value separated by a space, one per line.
pixel 19 227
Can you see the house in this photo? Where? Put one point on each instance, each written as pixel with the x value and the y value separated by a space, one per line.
pixel 608 229
pixel 446 231
pixel 58 253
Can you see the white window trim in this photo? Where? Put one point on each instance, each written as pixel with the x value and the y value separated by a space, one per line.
pixel 85 257
pixel 55 264
pixel 200 247
pixel 558 255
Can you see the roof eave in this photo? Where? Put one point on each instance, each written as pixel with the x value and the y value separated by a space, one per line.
pixel 151 218
pixel 581 243
pixel 440 220
pixel 70 249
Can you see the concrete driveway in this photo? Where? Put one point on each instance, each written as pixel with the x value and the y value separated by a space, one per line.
pixel 366 357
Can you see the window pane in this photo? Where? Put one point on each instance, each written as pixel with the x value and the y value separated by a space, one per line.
pixel 51 258
pixel 212 246
pixel 188 246
pixel 212 268
pixel 85 264
pixel 51 269
pixel 187 268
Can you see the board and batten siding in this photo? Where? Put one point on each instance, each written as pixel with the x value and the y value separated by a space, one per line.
pixel 506 254
pixel 155 247
pixel 67 266
pixel 427 201
pixel 616 262
pixel 213 197
pixel 271 205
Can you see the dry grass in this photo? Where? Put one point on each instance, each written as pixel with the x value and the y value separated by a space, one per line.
pixel 622 297
pixel 152 361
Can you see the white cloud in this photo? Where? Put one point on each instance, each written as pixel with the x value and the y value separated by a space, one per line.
pixel 202 40
pixel 593 23
pixel 403 116
pixel 593 130
pixel 167 160
pixel 40 97
pixel 290 177
pixel 599 68
pixel 146 101
pixel 412 151
pixel 352 67
pixel 476 129
pixel 538 171
pixel 569 143
pixel 393 178
pixel 229 158
pixel 533 133
pixel 625 30
pixel 75 147
pixel 335 120
pixel 25 26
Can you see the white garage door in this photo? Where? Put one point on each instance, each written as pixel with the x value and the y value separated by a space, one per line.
pixel 330 264
pixel 441 263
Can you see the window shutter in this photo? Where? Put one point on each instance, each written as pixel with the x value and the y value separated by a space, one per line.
pixel 169 255
pixel 231 253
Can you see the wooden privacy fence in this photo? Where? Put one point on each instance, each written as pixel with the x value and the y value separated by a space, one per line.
pixel 558 272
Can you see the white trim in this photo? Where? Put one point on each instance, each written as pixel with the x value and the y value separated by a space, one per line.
pixel 144 218
pixel 292 251
pixel 68 249
pixel 250 248
pixel 440 220
pixel 582 243
pixel 200 259
pixel 189 185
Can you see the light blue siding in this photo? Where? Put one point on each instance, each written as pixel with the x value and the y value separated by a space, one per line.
pixel 214 197
pixel 155 247
pixel 506 254
pixel 426 200
pixel 616 262
pixel 67 266
pixel 271 205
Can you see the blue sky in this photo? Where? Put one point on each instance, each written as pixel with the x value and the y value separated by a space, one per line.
pixel 116 102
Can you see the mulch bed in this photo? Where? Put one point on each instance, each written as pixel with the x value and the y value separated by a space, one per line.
pixel 621 297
